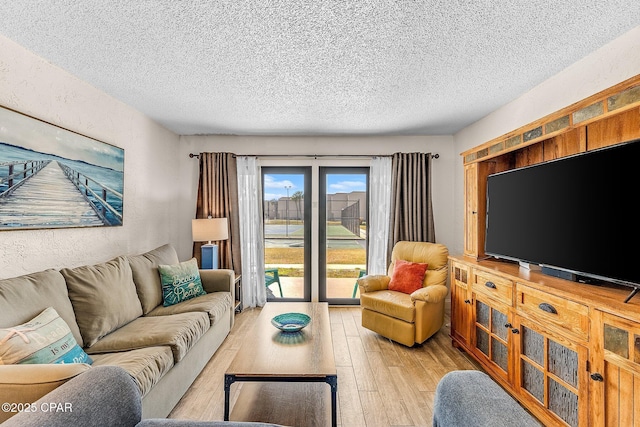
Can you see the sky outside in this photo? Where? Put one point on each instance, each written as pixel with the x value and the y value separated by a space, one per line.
pixel 275 185
pixel 32 134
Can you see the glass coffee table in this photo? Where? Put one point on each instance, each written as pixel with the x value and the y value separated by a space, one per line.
pixel 270 355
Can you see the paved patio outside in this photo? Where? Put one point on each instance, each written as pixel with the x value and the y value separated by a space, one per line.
pixel 293 287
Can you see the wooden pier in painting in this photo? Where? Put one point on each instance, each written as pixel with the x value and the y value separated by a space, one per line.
pixel 48 199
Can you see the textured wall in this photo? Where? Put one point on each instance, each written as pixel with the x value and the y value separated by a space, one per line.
pixel 442 174
pixel 30 85
pixel 442 186
pixel 607 66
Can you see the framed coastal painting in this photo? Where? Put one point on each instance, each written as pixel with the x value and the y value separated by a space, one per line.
pixel 51 177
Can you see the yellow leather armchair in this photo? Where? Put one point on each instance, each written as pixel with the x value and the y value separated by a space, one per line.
pixel 407 319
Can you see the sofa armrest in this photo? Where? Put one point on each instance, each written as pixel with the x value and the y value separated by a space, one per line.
pixel 373 283
pixel 24 384
pixel 221 280
pixel 431 294
pixel 102 396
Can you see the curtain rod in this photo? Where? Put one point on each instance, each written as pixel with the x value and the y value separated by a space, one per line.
pixel 316 156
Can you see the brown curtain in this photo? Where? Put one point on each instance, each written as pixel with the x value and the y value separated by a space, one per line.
pixel 218 198
pixel 411 210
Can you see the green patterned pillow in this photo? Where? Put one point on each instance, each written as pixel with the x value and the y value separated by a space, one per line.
pixel 44 339
pixel 180 282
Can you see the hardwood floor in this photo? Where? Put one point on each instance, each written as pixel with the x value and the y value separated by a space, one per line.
pixel 380 383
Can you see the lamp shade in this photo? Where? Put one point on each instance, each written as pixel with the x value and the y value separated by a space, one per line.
pixel 210 229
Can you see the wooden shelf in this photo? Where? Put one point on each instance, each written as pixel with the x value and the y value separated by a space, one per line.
pixel 592 325
pixel 612 101
pixel 238 301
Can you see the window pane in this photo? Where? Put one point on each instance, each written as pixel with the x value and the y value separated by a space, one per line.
pixel 533 381
pixel 346 233
pixel 499 354
pixel 563 402
pixel 616 340
pixel 482 341
pixel 498 320
pixel 533 345
pixel 563 362
pixel 482 314
pixel 284 235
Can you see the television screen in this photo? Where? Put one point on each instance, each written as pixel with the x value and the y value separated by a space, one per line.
pixel 576 214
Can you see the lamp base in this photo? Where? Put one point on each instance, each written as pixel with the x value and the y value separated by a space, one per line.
pixel 209 254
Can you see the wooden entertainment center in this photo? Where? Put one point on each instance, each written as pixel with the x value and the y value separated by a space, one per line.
pixel 569 352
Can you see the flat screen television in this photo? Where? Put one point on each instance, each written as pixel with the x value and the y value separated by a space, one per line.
pixel 577 214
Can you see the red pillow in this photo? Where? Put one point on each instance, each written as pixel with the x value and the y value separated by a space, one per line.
pixel 407 276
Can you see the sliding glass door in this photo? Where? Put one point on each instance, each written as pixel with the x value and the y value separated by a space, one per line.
pixel 287 232
pixel 343 218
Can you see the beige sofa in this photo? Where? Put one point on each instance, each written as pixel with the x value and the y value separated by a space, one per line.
pixel 115 313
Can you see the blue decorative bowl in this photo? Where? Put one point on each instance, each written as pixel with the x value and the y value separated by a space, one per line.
pixel 290 322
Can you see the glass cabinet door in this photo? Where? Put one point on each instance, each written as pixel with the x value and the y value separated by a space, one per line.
pixel 551 372
pixel 492 334
pixel 617 369
pixel 460 302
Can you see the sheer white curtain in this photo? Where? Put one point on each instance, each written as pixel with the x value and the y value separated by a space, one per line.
pixel 379 214
pixel 251 235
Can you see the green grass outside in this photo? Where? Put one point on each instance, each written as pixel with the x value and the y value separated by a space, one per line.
pixel 290 255
pixel 277 256
pixel 296 256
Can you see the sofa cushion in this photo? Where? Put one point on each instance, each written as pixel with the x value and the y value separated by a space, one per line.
pixel 146 277
pixel 216 305
pixel 23 298
pixel 44 339
pixel 391 303
pixel 180 332
pixel 104 297
pixel 146 365
pixel 180 282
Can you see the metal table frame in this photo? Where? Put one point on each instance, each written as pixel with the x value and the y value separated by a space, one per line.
pixel 332 380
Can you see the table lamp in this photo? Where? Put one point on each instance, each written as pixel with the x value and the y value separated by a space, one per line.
pixel 209 230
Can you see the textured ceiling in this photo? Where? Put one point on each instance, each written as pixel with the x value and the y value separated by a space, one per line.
pixel 315 67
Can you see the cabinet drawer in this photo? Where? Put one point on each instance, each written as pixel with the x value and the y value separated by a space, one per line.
pixel 495 287
pixel 568 315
